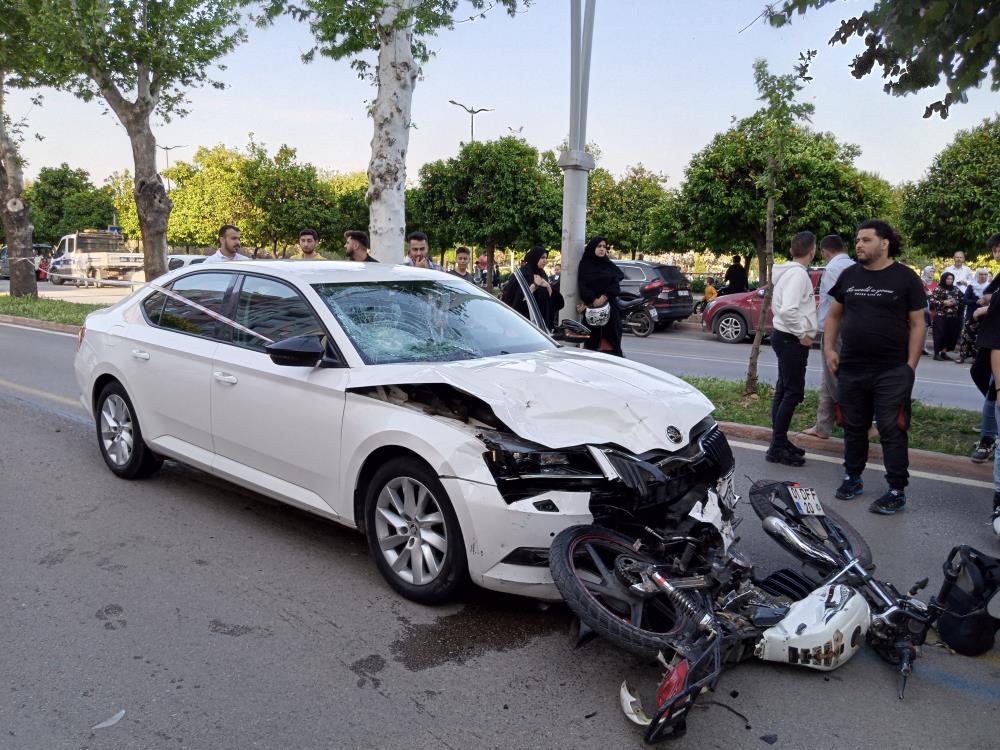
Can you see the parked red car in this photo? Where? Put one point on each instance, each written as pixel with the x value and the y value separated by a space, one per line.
pixel 733 317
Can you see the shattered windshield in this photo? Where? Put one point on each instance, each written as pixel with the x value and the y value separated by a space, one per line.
pixel 427 321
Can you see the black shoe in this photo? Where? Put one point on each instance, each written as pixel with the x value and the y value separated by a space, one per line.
pixel 850 488
pixel 781 455
pixel 891 502
pixel 925 353
pixel 791 448
pixel 945 357
pixel 938 356
pixel 984 451
pixel 996 513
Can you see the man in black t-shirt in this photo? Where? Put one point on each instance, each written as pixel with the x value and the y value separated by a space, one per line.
pixel 736 277
pixel 878 311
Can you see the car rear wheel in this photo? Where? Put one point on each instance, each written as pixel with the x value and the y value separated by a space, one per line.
pixel 120 437
pixel 413 532
pixel 731 328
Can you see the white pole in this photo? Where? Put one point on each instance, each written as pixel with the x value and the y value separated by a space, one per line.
pixel 575 162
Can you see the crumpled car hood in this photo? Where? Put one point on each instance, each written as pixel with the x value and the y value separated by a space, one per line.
pixel 566 397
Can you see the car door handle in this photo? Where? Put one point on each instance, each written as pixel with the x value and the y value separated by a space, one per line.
pixel 140 354
pixel 225 377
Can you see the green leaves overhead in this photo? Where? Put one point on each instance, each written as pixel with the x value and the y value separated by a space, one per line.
pixel 920 43
pixel 63 200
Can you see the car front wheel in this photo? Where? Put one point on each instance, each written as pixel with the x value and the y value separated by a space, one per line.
pixel 120 437
pixel 413 532
pixel 731 328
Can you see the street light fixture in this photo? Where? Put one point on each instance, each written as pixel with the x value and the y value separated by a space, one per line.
pixel 166 153
pixel 472 117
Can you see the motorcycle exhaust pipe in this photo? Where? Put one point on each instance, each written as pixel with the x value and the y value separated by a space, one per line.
pixel 779 530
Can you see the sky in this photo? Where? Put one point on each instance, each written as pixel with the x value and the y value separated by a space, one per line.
pixel 666 76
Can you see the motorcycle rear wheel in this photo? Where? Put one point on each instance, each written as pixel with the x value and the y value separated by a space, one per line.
pixel 641 323
pixel 858 547
pixel 583 561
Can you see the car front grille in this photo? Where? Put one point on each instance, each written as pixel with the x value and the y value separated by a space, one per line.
pixel 717 449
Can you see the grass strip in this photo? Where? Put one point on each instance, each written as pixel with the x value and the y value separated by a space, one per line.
pixel 40 308
pixel 942 429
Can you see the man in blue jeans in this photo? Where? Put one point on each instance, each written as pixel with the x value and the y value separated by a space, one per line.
pixel 793 304
pixel 989 340
pixel 878 311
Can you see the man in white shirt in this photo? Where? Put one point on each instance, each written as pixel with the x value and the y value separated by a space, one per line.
pixel 229 246
pixel 963 274
pixel 793 304
pixel 835 254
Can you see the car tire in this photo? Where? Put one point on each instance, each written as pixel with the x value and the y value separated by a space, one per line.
pixel 731 328
pixel 56 280
pixel 413 532
pixel 119 435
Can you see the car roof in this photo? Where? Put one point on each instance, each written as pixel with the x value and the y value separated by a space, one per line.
pixel 328 271
pixel 648 263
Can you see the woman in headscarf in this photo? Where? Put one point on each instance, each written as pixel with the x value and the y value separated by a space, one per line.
pixel 599 282
pixel 970 331
pixel 533 273
pixel 947 303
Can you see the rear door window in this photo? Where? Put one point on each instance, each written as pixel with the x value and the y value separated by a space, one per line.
pixel 633 273
pixel 207 290
pixel 272 309
pixel 672 275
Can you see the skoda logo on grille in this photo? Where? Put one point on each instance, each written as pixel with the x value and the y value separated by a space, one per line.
pixel 673 434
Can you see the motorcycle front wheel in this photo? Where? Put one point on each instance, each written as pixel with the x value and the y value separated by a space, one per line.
pixel 641 323
pixel 588 566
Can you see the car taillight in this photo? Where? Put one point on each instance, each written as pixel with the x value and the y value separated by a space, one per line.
pixel 673 683
pixel 79 338
pixel 652 285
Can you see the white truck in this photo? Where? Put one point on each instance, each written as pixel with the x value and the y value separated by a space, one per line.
pixel 92 255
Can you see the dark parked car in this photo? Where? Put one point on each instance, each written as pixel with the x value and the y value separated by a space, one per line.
pixel 42 253
pixel 733 317
pixel 674 299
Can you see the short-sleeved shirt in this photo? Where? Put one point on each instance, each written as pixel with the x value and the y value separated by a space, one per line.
pixel 875 328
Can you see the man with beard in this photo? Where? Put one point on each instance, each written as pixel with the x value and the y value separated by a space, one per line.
pixel 356 246
pixel 878 312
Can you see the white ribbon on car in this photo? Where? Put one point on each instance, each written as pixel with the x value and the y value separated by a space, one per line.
pixel 173 295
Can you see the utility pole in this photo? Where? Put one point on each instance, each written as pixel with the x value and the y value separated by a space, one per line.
pixel 166 153
pixel 472 117
pixel 575 162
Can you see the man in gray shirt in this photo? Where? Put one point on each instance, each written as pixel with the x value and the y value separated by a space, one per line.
pixel 835 254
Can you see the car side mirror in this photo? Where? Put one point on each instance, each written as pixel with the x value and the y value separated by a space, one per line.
pixel 571 330
pixel 309 350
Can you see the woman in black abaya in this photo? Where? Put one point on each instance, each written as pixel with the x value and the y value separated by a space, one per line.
pixel 599 281
pixel 533 273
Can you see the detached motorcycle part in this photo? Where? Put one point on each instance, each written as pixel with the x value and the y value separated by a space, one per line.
pixel 587 566
pixel 761 494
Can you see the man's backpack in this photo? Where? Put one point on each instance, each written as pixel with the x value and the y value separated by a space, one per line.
pixel 972 605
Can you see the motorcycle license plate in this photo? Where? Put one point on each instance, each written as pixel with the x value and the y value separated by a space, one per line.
pixel 806 501
pixel 683 293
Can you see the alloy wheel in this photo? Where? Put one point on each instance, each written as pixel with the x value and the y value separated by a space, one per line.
pixel 117 431
pixel 731 328
pixel 411 531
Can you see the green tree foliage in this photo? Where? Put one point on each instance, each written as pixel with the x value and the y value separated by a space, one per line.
pixel 920 43
pixel 350 190
pixel 140 57
pixel 957 205
pixel 207 195
pixel 493 194
pixel 622 210
pixel 63 201
pixel 724 196
pixel 666 231
pixel 285 197
pixel 120 185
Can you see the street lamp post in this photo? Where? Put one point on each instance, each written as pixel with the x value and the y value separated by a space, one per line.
pixel 166 153
pixel 472 117
pixel 575 162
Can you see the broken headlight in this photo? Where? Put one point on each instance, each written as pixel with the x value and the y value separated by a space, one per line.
pixel 524 469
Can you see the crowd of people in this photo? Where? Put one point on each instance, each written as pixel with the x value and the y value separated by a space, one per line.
pixel 871 321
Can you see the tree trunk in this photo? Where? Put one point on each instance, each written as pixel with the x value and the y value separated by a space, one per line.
pixel 491 249
pixel 151 201
pixel 15 214
pixel 396 76
pixel 766 266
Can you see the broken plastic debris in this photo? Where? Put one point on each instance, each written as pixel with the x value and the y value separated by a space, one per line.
pixel 632 706
pixel 110 722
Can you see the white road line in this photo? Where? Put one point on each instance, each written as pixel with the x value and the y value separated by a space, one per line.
pixel 878 467
pixel 39 330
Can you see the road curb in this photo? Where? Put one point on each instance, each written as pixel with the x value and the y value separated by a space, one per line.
pixel 960 466
pixel 45 325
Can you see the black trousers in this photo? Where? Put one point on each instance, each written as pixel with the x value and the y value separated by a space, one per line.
pixel 981 372
pixel 791 387
pixel 946 331
pixel 882 394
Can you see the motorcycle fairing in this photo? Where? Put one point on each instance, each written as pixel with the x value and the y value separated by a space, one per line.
pixel 822 631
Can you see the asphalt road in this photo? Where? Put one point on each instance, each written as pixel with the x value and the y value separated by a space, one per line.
pixel 215 618
pixel 684 352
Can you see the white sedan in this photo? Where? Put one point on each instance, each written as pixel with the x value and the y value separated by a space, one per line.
pixel 403 402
